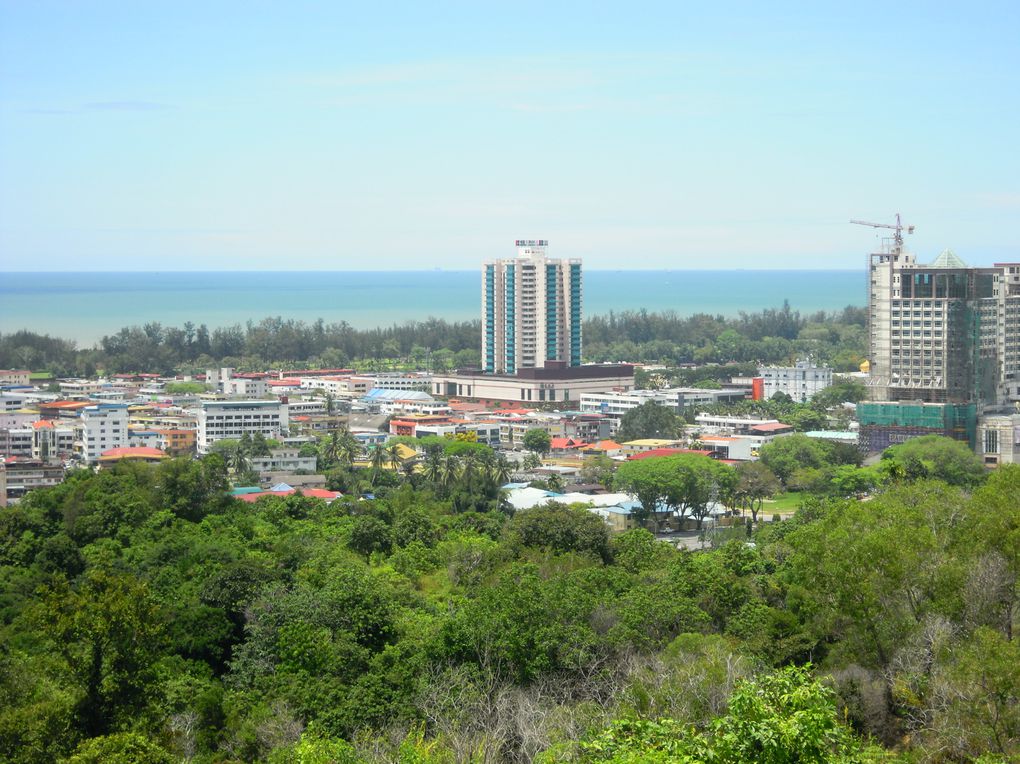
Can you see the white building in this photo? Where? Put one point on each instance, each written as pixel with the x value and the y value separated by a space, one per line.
pixel 531 310
pixel 615 404
pixel 554 383
pixel 103 426
pixel 219 420
pixel 398 381
pixel 800 382
pixel 283 460
pixel 998 439
pixel 249 386
pixel 342 387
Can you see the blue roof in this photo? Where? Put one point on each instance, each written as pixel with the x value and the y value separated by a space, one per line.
pixel 383 394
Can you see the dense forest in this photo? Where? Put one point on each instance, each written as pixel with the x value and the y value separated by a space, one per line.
pixel 770 336
pixel 146 616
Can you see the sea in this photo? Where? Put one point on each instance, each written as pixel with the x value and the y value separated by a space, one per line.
pixel 86 306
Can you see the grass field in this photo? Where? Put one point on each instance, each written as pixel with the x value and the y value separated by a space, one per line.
pixel 783 503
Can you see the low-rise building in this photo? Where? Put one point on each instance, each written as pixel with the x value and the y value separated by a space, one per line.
pixel 283 460
pixel 177 442
pixel 641 445
pixel 219 420
pixel 16 442
pixel 554 382
pixel 998 439
pixel 678 399
pixel 132 454
pixel 24 475
pixel 15 377
pixel 402 381
pixel 800 381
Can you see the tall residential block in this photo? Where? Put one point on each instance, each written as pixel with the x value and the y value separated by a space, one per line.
pixel 531 311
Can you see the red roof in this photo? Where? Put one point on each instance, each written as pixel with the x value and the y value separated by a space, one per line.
pixel 314 493
pixel 771 427
pixel 42 423
pixel 564 443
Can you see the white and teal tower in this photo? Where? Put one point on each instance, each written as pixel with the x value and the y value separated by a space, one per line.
pixel 531 311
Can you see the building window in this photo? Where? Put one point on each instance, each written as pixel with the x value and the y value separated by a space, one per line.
pixel 991 441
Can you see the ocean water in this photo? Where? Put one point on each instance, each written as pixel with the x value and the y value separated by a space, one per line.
pixel 86 306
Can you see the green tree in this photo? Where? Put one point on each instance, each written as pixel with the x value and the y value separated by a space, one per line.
pixel 120 748
pixel 537 441
pixel 109 632
pixel 786 454
pixel 560 529
pixel 935 456
pixel 598 470
pixel 755 483
pixel 680 484
pixel 649 420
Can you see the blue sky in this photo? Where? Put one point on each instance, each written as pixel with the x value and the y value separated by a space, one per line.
pixel 256 135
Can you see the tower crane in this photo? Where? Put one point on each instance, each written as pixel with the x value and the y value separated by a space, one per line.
pixel 899 228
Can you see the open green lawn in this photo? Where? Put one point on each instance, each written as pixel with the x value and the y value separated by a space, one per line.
pixel 783 503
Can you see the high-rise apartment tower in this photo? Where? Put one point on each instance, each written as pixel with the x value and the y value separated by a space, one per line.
pixel 531 311
pixel 943 332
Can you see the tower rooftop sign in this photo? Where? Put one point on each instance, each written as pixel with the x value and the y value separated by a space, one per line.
pixel 531 243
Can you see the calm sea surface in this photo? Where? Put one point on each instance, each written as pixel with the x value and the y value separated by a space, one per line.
pixel 86 306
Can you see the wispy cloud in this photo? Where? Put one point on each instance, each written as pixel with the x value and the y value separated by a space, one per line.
pixel 100 106
pixel 124 106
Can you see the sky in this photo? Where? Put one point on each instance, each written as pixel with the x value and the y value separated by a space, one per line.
pixel 367 136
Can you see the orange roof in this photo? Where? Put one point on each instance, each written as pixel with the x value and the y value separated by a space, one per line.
pixel 604 445
pixel 655 452
pixel 67 404
pixel 42 423
pixel 132 452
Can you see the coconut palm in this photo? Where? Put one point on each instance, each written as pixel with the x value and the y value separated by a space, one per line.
pixel 348 447
pixel 393 455
pixel 434 466
pixel 408 467
pixel 379 457
pixel 500 471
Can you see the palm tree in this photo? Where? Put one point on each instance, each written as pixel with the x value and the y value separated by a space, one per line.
pixel 393 454
pixel 348 447
pixel 434 466
pixel 451 472
pixel 379 457
pixel 469 466
pixel 331 448
pixel 407 467
pixel 239 461
pixel 500 471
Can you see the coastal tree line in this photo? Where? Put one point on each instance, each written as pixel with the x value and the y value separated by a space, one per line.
pixel 769 336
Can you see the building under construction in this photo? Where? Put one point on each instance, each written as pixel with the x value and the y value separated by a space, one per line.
pixel 944 343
